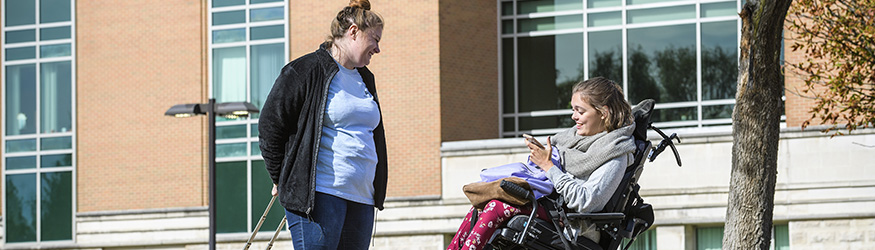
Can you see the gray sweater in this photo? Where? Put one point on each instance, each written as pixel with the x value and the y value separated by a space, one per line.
pixel 590 193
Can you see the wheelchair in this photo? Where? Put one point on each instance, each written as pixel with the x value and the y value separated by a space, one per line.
pixel 625 216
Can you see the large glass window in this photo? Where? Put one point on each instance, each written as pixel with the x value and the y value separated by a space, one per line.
pixel 711 238
pixel 38 150
pixel 248 49
pixel 681 53
pixel 644 241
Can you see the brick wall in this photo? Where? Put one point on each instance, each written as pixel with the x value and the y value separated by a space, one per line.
pixel 798 104
pixel 309 22
pixel 408 76
pixel 134 60
pixel 469 70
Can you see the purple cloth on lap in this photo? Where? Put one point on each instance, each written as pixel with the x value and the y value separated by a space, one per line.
pixel 534 175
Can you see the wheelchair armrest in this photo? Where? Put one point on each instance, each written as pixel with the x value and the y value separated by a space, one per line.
pixel 597 217
pixel 516 190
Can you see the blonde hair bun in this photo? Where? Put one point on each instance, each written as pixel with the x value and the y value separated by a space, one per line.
pixel 362 4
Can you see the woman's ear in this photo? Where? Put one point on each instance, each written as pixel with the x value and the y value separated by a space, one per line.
pixel 352 31
pixel 606 117
pixel 605 111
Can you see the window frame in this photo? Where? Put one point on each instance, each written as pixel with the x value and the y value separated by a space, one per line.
pixel 38 135
pixel 772 245
pixel 249 123
pixel 505 116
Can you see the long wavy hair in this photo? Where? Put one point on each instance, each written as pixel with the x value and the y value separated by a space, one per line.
pixel 601 92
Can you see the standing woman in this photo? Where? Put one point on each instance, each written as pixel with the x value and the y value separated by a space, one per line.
pixel 322 138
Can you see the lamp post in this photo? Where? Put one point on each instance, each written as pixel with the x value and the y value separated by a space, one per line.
pixel 211 109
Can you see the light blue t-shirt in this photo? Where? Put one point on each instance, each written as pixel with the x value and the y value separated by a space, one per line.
pixel 347 159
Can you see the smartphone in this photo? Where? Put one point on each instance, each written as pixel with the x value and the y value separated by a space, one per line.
pixel 532 140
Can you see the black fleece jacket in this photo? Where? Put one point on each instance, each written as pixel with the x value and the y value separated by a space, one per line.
pixel 290 128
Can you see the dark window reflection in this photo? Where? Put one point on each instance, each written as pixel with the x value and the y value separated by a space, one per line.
pixel 21 162
pixel 21 12
pixel 54 11
pixel 719 60
pixel 63 160
pixel 604 55
pixel 261 186
pixel 56 210
pixel 232 131
pixel 675 114
pixel 231 197
pixel 24 145
pixel 53 143
pixel 507 70
pixel 545 122
pixel 548 67
pixel 506 8
pixel 509 125
pixel 662 63
pixel 717 112
pixel 20 210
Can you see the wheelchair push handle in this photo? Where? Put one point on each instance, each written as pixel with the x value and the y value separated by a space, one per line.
pixel 515 190
pixel 666 142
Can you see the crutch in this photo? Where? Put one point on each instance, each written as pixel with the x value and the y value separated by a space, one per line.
pixel 258 226
pixel 275 234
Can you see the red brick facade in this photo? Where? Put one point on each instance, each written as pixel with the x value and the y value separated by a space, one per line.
pixel 469 70
pixel 798 104
pixel 134 60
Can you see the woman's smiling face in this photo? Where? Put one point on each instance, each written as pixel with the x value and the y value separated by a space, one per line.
pixel 589 121
pixel 365 45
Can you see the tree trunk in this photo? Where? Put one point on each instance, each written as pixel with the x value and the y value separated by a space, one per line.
pixel 756 126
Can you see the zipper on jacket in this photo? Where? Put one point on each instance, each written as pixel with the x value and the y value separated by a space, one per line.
pixel 309 218
pixel 318 137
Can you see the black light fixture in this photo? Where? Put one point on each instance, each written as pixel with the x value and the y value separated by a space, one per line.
pixel 231 110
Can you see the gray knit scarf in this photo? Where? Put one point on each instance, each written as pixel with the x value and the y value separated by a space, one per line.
pixel 581 155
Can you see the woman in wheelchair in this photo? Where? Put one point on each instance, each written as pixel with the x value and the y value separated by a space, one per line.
pixel 592 158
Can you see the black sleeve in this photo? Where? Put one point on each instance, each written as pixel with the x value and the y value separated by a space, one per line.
pixel 279 118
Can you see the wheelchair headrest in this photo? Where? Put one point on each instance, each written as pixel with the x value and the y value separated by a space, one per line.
pixel 641 113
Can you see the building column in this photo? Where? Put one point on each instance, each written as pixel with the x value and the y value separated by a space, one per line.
pixel 675 237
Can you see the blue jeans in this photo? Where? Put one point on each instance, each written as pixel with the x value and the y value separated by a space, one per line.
pixel 334 223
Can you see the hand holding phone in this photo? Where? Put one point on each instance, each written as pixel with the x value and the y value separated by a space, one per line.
pixel 532 140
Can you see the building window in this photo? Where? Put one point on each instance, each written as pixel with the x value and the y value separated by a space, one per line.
pixel 38 123
pixel 708 238
pixel 248 44
pixel 682 54
pixel 780 237
pixel 644 241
